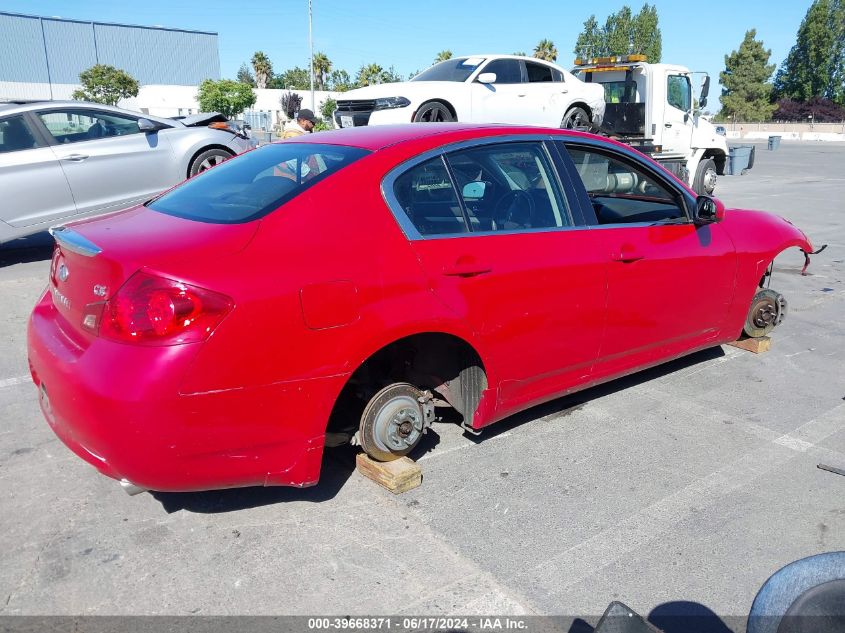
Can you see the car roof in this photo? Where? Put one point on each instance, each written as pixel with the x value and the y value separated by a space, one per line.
pixel 25 105
pixel 375 137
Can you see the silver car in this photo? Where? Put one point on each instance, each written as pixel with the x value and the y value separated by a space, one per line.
pixel 62 160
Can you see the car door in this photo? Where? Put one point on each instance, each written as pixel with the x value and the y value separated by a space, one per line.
pixel 504 100
pixel 108 161
pixel 34 186
pixel 547 94
pixel 501 247
pixel 677 117
pixel 670 282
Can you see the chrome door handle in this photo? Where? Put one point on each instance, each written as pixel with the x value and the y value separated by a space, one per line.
pixel 75 157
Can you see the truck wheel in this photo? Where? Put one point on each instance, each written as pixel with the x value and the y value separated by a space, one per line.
pixel 433 112
pixel 576 118
pixel 393 422
pixel 705 178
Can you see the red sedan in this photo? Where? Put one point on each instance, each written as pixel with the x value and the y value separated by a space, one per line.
pixel 347 286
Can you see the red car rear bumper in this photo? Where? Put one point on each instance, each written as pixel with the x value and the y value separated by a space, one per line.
pixel 118 407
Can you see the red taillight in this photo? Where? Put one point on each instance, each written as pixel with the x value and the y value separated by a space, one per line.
pixel 153 310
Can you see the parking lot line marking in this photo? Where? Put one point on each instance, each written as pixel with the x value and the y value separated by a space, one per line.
pixel 11 382
pixel 585 559
pixel 794 443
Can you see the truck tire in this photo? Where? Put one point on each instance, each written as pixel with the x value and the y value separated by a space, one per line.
pixel 705 178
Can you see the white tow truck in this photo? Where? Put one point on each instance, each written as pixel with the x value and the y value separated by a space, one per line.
pixel 650 106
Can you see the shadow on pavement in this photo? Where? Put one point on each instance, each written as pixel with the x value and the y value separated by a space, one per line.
pixel 569 404
pixel 338 465
pixel 33 248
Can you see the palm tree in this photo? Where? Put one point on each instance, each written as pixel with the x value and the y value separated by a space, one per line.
pixel 263 69
pixel 369 75
pixel 322 68
pixel 545 50
pixel 442 56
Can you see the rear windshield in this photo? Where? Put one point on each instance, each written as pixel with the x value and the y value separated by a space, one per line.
pixel 251 186
pixel 458 69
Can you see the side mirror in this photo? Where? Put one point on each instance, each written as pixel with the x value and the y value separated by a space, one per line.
pixel 474 190
pixel 147 126
pixel 487 78
pixel 708 210
pixel 705 90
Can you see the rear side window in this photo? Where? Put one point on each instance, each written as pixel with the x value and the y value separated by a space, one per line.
pixel 251 186
pixel 538 72
pixel 15 135
pixel 427 197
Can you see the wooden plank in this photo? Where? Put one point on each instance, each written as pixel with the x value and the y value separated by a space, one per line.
pixel 398 476
pixel 756 345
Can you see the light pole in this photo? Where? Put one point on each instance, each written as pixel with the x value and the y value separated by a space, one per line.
pixel 311 46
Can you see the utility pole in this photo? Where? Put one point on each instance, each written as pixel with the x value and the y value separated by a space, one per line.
pixel 311 46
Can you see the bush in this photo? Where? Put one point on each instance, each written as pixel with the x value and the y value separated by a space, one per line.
pixel 105 84
pixel 227 97
pixel 290 102
pixel 821 111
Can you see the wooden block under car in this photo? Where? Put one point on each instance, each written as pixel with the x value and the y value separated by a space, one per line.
pixel 756 345
pixel 398 476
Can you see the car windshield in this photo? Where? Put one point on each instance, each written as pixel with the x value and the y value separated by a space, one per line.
pixel 457 69
pixel 256 183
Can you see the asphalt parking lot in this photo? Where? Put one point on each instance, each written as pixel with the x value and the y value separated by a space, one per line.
pixel 692 482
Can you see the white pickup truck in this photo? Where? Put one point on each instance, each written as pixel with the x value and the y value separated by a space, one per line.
pixel 650 106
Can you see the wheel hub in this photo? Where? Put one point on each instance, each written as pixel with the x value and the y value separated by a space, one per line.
pixel 399 424
pixel 710 180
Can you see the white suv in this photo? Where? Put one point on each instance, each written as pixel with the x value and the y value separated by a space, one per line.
pixel 481 89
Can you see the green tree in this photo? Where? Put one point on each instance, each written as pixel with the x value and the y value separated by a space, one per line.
pixel 327 108
pixel 105 84
pixel 390 76
pixel 590 42
pixel 295 78
pixel 226 96
pixel 263 69
pixel 747 90
pixel 245 77
pixel 443 55
pixel 369 74
pixel 340 81
pixel 815 66
pixel 322 67
pixel 545 50
pixel 623 33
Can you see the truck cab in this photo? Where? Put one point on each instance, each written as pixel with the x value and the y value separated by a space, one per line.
pixel 651 107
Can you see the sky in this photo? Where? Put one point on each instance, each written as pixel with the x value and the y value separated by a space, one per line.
pixel 409 34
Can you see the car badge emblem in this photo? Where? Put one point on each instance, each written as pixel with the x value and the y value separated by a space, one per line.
pixel 100 291
pixel 64 273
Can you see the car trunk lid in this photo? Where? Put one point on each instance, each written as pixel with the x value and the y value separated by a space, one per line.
pixel 94 258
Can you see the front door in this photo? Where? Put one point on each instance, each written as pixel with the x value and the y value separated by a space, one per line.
pixel 108 161
pixel 670 282
pixel 677 116
pixel 505 100
pixel 496 238
pixel 34 186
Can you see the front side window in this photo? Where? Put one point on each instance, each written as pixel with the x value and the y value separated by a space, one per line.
pixel 15 135
pixel 509 187
pixel 679 92
pixel 508 71
pixel 252 185
pixel 74 125
pixel 622 192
